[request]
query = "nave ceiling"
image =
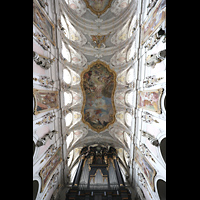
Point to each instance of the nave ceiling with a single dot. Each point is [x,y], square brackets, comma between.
[99,81]
[106,36]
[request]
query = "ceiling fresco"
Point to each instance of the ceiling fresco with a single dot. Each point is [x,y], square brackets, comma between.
[98,7]
[98,84]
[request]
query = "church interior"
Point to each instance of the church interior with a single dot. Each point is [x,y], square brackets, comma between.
[99,99]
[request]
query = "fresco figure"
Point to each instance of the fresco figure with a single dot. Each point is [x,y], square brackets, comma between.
[98,84]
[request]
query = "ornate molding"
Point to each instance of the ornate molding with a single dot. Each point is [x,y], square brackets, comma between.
[98,64]
[95,8]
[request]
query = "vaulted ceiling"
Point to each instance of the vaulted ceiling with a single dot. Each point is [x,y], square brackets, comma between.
[101,37]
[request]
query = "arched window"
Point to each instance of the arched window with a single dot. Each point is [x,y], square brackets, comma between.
[128,119]
[127,139]
[73,172]
[67,98]
[65,53]
[68,119]
[67,76]
[69,139]
[131,52]
[129,98]
[70,157]
[130,76]
[65,26]
[126,157]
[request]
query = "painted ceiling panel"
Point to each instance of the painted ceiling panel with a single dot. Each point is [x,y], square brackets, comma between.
[98,86]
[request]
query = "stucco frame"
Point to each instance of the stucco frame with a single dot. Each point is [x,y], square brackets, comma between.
[35,3]
[35,91]
[84,95]
[98,13]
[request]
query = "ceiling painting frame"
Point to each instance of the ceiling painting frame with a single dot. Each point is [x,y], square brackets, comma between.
[98,13]
[98,63]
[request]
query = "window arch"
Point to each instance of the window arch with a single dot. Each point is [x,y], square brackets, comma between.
[70,157]
[64,24]
[65,52]
[130,75]
[69,139]
[67,76]
[129,98]
[73,172]
[68,119]
[67,98]
[127,139]
[131,52]
[126,157]
[128,119]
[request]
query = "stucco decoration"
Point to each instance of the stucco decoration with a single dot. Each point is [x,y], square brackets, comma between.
[77,58]
[75,78]
[98,84]
[146,168]
[65,53]
[77,6]
[119,57]
[120,135]
[132,52]
[150,100]
[78,134]
[49,168]
[130,75]
[120,117]
[121,35]
[45,100]
[76,98]
[155,19]
[76,117]
[71,33]
[119,98]
[98,41]
[43,23]
[98,7]
[133,26]
[118,6]
[121,78]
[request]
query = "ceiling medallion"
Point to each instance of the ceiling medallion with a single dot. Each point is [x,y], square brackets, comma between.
[98,7]
[98,83]
[99,40]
